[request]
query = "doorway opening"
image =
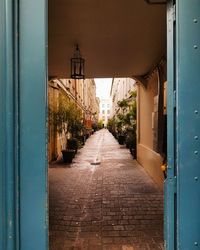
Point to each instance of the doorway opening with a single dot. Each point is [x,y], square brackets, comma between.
[104,195]
[117,39]
[104,206]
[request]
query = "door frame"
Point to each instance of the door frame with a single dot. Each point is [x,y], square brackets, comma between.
[182,186]
[23,126]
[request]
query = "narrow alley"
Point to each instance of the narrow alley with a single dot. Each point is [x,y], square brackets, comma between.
[104,200]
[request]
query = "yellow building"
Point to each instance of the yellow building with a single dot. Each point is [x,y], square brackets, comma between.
[80,92]
[105,110]
[91,103]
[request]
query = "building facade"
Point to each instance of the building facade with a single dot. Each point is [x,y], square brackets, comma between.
[90,103]
[82,93]
[105,110]
[151,117]
[121,89]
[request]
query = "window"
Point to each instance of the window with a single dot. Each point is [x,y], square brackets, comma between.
[108,106]
[103,105]
[108,111]
[103,111]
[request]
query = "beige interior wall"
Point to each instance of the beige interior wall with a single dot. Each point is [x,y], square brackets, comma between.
[148,158]
[146,104]
[151,161]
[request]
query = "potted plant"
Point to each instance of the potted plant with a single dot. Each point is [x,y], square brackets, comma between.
[94,127]
[72,143]
[61,118]
[120,129]
[131,140]
[100,124]
[131,131]
[111,126]
[68,155]
[75,126]
[126,122]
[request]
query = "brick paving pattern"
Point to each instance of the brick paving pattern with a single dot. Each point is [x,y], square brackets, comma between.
[111,206]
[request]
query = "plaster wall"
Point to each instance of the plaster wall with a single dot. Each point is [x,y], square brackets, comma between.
[151,161]
[146,156]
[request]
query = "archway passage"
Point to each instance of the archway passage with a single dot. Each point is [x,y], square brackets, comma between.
[116,39]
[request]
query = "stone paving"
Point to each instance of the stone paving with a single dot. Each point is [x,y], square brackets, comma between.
[111,206]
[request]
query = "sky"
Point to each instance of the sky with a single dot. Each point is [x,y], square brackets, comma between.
[103,86]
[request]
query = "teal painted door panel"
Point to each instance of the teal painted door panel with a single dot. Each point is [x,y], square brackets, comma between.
[8,161]
[169,185]
[23,105]
[23,132]
[182,187]
[188,124]
[33,132]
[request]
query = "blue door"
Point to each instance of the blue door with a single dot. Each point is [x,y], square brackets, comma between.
[23,138]
[23,105]
[182,186]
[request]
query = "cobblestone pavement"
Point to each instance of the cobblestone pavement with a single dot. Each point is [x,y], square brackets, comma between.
[111,206]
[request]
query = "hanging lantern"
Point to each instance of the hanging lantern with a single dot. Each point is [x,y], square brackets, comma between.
[77,65]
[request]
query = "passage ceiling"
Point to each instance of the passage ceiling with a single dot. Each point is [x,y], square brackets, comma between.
[117,38]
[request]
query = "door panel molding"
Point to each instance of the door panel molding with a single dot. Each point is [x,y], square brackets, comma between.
[8,133]
[182,187]
[23,131]
[33,124]
[169,185]
[188,124]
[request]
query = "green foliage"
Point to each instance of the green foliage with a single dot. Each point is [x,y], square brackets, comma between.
[131,138]
[122,104]
[95,126]
[75,124]
[133,110]
[100,124]
[58,115]
[133,94]
[111,123]
[125,121]
[66,117]
[120,123]
[73,144]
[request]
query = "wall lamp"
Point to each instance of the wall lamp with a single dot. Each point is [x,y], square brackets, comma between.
[77,65]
